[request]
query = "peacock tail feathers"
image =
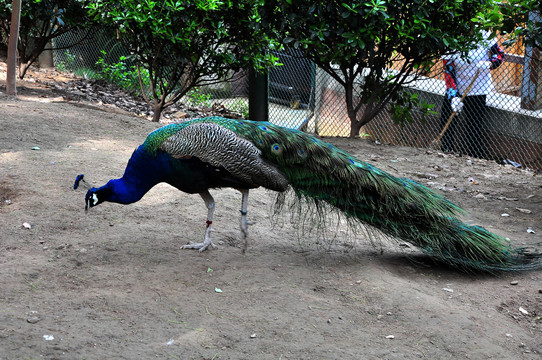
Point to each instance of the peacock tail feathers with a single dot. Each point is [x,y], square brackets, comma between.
[327,177]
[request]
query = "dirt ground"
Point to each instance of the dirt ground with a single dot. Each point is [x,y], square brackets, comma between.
[114,283]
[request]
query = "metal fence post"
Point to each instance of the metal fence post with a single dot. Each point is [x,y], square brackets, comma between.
[258,95]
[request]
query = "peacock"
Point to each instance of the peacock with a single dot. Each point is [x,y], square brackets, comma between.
[215,152]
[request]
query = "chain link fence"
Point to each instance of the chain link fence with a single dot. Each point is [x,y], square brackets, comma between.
[303,96]
[508,129]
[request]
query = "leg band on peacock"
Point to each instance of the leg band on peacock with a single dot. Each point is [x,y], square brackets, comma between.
[210,204]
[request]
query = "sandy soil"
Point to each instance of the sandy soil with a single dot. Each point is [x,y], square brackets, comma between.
[114,283]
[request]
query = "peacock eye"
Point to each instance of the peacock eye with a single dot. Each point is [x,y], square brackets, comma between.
[276,148]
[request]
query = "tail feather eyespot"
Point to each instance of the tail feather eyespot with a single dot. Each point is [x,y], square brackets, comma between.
[276,149]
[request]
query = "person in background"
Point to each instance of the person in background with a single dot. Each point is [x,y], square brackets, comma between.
[458,74]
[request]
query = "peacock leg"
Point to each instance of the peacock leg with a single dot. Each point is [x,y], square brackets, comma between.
[210,204]
[244,222]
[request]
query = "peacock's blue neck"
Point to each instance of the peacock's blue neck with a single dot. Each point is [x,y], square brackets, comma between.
[142,173]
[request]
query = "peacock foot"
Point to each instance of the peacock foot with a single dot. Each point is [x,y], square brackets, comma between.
[199,246]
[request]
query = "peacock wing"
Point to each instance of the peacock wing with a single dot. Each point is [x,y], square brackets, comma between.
[221,147]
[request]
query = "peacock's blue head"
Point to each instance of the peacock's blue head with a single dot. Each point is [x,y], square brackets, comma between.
[94,195]
[92,198]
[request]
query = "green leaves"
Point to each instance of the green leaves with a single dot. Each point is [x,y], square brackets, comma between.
[185,44]
[403,103]
[520,22]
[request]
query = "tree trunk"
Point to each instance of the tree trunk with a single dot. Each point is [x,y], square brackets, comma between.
[357,124]
[367,113]
[11,87]
[157,111]
[355,127]
[352,114]
[352,110]
[23,68]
